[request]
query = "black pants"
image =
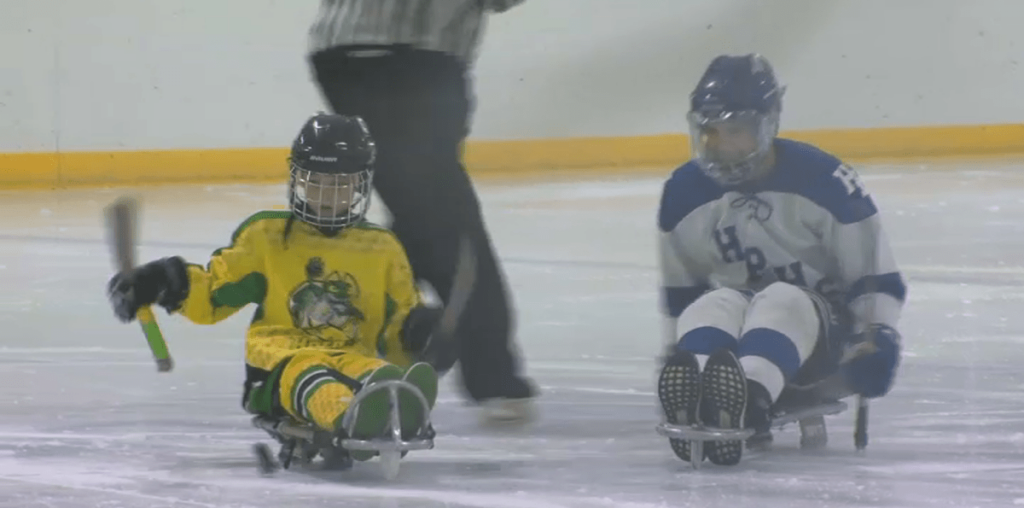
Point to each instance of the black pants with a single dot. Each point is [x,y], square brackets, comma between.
[416,105]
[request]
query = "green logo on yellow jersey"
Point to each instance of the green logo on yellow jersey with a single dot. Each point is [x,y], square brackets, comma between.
[326,302]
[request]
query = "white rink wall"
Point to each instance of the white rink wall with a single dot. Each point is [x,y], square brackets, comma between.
[84,75]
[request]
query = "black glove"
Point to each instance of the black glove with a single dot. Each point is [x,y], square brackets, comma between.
[163,282]
[420,338]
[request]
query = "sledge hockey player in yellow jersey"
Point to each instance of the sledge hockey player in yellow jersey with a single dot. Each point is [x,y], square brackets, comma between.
[337,308]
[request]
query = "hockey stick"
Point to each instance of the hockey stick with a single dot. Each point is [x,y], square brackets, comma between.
[462,288]
[860,432]
[121,217]
[442,349]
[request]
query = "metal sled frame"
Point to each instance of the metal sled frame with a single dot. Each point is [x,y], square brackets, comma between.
[391,447]
[811,419]
[807,405]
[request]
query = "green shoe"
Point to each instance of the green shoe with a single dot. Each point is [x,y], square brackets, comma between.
[422,376]
[373,414]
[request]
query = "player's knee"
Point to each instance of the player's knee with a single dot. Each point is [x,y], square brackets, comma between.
[302,376]
[720,307]
[298,366]
[706,340]
[782,329]
[713,322]
[781,294]
[727,297]
[784,307]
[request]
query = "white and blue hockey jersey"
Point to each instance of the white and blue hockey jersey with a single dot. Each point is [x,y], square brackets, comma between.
[812,223]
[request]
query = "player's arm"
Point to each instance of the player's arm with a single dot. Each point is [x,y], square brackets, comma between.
[876,290]
[203,295]
[232,279]
[207,295]
[682,279]
[859,246]
[410,332]
[401,300]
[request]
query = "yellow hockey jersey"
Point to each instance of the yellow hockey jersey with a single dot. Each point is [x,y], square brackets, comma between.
[346,293]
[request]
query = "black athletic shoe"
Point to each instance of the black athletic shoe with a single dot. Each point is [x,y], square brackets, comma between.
[723,403]
[679,394]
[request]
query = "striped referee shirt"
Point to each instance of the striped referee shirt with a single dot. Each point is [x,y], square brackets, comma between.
[451,26]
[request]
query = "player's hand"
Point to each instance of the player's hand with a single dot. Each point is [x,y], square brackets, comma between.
[441,353]
[875,358]
[163,282]
[421,338]
[122,296]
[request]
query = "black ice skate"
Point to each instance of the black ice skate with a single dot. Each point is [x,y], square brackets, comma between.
[679,394]
[723,402]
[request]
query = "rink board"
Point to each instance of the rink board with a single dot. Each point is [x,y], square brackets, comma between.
[506,158]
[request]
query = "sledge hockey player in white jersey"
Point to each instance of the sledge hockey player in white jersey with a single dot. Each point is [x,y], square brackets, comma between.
[773,264]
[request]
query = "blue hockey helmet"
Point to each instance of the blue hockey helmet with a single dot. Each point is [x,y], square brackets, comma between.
[734,118]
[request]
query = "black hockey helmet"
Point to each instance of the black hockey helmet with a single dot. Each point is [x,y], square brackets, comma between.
[332,163]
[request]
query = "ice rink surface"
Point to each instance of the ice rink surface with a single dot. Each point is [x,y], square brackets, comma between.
[86,421]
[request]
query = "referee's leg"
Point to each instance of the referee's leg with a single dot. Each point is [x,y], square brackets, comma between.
[490,365]
[416,106]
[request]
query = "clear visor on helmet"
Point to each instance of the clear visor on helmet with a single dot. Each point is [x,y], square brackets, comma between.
[732,146]
[330,200]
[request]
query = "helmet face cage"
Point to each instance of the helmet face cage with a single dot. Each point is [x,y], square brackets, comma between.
[330,200]
[732,147]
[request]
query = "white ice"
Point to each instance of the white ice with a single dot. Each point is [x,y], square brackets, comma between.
[86,421]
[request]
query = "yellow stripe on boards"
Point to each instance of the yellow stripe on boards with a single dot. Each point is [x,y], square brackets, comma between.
[507,158]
